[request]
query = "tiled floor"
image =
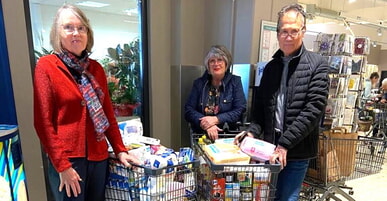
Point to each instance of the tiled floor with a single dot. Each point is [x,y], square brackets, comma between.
[370,183]
[370,188]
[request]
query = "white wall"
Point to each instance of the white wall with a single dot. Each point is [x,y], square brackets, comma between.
[383,60]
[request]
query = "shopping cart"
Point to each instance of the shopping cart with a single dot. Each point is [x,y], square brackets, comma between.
[379,125]
[338,161]
[140,183]
[226,182]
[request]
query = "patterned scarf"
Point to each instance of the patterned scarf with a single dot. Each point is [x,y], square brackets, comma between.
[91,91]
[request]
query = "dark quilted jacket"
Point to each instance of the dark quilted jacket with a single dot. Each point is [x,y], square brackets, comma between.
[307,91]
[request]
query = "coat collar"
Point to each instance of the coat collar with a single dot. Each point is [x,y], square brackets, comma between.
[227,77]
[278,54]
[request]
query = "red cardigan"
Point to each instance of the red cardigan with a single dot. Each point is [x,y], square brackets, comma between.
[61,119]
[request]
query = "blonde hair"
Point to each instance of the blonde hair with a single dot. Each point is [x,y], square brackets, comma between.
[56,28]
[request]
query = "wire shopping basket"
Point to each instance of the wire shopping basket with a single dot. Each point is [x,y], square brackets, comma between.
[140,183]
[341,159]
[230,182]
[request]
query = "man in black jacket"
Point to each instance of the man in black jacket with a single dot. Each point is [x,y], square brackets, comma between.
[290,102]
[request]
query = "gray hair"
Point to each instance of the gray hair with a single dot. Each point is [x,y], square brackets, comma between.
[384,82]
[292,7]
[219,51]
[56,28]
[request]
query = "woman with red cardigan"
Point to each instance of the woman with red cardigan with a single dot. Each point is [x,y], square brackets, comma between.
[73,115]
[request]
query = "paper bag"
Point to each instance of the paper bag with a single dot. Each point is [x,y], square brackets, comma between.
[345,145]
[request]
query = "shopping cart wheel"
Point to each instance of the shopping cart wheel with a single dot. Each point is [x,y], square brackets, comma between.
[350,192]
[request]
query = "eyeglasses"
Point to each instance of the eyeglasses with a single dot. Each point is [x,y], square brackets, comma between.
[69,28]
[215,61]
[292,33]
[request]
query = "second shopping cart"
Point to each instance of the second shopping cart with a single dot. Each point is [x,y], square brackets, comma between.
[231,182]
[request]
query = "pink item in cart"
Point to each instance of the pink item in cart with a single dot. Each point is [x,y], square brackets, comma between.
[257,149]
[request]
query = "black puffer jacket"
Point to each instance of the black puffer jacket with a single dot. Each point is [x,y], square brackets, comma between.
[307,91]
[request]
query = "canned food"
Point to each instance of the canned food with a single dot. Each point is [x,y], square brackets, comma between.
[246,194]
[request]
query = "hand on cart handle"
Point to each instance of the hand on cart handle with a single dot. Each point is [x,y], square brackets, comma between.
[240,136]
[128,158]
[208,121]
[213,132]
[280,153]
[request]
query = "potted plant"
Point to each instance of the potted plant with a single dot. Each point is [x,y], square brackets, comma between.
[44,52]
[123,68]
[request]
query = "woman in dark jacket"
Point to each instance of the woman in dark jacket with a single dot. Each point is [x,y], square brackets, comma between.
[217,97]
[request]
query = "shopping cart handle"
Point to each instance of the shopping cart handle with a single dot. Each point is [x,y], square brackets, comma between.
[242,137]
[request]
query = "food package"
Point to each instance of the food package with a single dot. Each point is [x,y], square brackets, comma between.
[130,131]
[257,149]
[162,160]
[222,153]
[225,140]
[142,153]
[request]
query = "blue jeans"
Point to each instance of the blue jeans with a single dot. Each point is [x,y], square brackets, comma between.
[93,174]
[290,180]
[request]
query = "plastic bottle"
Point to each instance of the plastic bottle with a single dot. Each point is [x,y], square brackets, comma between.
[201,142]
[206,140]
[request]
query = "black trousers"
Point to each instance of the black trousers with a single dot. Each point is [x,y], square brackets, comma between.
[93,174]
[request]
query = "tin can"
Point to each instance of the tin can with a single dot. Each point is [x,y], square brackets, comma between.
[245,179]
[229,177]
[246,194]
[228,192]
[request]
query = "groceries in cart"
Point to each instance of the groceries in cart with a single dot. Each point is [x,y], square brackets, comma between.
[130,131]
[258,150]
[228,173]
[224,151]
[163,174]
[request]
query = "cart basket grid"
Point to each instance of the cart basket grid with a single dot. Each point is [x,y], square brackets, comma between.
[228,182]
[339,159]
[140,183]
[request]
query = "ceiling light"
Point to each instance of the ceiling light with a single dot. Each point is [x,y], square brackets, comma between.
[379,31]
[351,1]
[374,43]
[92,4]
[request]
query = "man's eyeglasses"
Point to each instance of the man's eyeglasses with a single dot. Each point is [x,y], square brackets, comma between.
[292,33]
[69,28]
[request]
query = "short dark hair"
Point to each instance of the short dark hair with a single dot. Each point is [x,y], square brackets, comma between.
[292,7]
[374,75]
